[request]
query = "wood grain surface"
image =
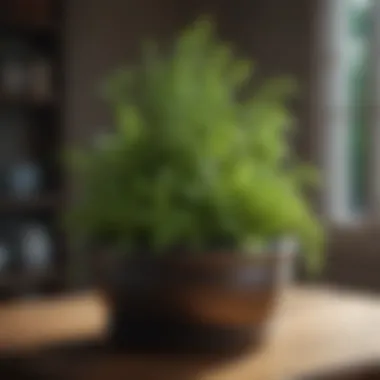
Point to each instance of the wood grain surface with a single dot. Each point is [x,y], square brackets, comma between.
[313,331]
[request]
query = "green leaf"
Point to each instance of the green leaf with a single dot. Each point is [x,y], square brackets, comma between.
[199,155]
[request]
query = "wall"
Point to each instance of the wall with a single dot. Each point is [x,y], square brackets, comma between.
[100,34]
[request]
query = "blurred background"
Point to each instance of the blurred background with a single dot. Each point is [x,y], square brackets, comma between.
[54,55]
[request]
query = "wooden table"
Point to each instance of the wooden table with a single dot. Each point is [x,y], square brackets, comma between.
[313,331]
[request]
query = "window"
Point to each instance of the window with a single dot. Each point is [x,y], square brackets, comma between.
[359,38]
[348,60]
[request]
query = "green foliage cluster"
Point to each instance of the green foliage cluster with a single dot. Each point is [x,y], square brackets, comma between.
[194,160]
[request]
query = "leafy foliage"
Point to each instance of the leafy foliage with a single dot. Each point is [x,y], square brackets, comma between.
[193,162]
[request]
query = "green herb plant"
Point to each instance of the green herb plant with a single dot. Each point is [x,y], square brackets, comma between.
[199,158]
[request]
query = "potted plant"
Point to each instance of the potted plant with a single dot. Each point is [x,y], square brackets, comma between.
[190,194]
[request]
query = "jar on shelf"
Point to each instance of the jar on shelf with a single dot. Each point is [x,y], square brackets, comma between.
[36,247]
[25,180]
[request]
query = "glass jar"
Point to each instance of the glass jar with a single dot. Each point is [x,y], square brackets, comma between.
[25,180]
[36,247]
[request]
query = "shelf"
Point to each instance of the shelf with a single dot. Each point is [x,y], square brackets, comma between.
[31,32]
[45,203]
[29,29]
[25,101]
[12,280]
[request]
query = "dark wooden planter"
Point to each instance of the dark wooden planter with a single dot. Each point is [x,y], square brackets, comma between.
[217,303]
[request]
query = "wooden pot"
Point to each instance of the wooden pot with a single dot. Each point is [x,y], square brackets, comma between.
[213,303]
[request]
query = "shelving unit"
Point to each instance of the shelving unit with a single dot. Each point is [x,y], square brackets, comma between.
[41,203]
[31,93]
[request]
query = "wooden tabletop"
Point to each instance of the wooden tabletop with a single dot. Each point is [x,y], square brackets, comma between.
[312,331]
